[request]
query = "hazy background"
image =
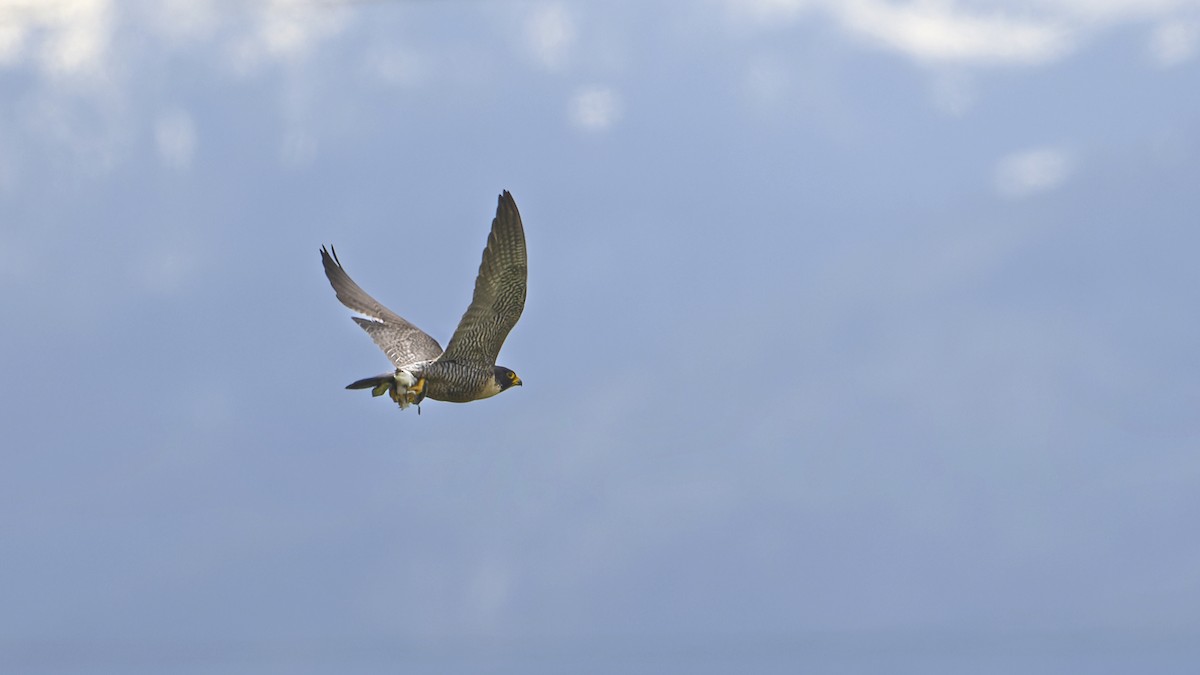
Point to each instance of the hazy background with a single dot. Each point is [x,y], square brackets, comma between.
[861,337]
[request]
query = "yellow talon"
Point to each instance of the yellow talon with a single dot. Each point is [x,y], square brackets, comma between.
[416,392]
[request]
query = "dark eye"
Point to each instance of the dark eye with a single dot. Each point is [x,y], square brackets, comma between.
[512,376]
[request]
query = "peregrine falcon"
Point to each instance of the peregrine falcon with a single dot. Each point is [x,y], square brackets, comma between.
[466,370]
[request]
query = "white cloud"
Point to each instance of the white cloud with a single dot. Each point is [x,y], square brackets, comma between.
[934,31]
[1174,42]
[12,42]
[595,108]
[80,43]
[1031,171]
[175,139]
[73,35]
[286,31]
[983,32]
[550,34]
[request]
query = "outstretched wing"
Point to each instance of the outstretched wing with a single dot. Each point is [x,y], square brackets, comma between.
[499,292]
[403,342]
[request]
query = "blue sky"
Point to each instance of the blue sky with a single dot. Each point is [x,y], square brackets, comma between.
[860,336]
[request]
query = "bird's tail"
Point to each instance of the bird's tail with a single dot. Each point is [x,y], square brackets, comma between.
[403,388]
[379,385]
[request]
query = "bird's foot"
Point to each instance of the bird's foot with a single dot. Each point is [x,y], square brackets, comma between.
[417,391]
[399,395]
[407,390]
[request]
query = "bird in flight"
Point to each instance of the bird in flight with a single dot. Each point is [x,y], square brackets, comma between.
[466,370]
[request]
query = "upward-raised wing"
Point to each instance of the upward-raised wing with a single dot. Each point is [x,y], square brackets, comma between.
[403,342]
[499,292]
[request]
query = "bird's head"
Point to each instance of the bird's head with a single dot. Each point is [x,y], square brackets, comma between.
[506,378]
